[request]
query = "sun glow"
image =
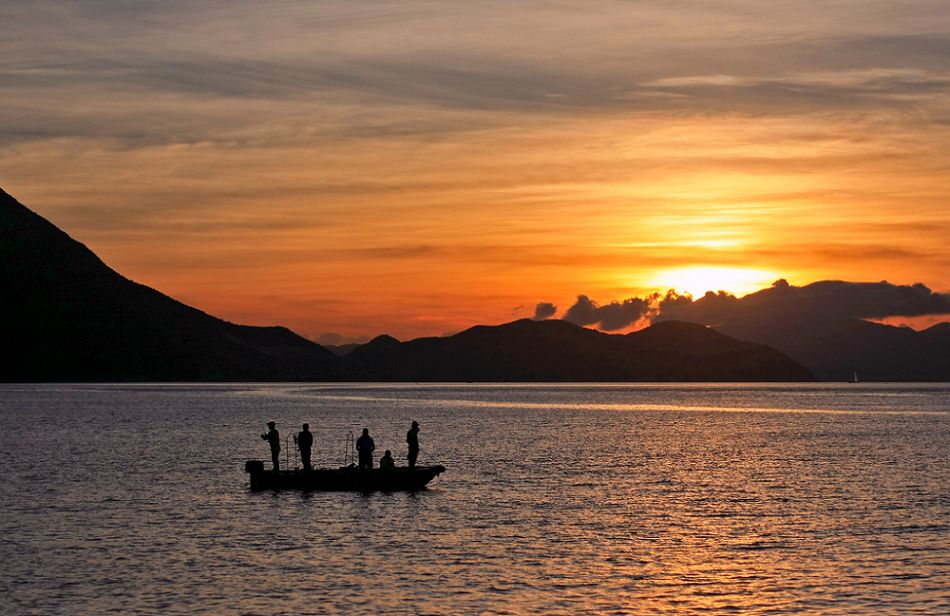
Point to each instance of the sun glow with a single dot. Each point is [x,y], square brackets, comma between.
[697,280]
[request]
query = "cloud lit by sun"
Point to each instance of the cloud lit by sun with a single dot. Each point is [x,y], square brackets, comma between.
[697,280]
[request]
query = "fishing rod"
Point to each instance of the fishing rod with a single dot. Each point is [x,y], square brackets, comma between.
[296,457]
[349,448]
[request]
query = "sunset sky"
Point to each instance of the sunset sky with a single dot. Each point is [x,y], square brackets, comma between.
[418,167]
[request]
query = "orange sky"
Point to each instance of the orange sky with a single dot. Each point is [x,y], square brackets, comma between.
[415,169]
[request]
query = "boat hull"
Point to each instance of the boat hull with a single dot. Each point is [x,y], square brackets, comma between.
[345,479]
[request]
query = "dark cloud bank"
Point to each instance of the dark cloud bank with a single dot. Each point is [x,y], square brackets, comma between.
[823,325]
[826,300]
[544,310]
[609,317]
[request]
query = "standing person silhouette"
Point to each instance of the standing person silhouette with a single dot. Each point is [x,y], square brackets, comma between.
[305,443]
[272,436]
[365,447]
[412,438]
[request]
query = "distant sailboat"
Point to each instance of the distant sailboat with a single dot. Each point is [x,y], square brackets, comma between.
[854,378]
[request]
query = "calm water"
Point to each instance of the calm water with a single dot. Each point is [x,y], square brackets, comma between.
[557,499]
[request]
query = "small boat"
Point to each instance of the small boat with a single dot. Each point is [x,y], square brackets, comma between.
[348,478]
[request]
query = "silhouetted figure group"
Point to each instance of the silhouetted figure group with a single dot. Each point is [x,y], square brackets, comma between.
[365,446]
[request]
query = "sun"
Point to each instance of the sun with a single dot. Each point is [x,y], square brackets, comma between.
[697,280]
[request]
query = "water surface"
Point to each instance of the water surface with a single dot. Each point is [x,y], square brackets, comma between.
[569,499]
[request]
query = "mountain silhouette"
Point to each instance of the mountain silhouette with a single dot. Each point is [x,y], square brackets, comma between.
[527,350]
[834,349]
[828,326]
[66,316]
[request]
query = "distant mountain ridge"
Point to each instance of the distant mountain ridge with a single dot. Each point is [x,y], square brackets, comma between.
[825,326]
[533,351]
[835,349]
[66,316]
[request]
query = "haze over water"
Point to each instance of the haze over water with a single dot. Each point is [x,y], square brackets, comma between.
[571,499]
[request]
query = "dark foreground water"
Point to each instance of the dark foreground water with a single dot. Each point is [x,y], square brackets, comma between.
[569,499]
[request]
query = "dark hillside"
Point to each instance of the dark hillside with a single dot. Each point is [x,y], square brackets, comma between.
[66,316]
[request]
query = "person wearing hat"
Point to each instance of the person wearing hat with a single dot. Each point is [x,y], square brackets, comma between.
[412,438]
[272,436]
